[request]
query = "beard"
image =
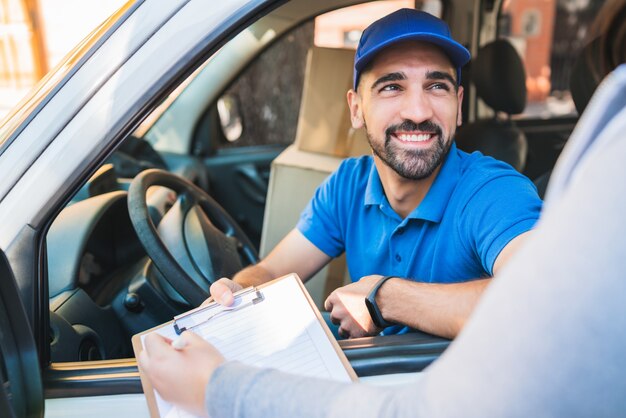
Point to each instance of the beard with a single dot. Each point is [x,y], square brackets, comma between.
[412,164]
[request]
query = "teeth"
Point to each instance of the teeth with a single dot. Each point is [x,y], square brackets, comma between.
[414,138]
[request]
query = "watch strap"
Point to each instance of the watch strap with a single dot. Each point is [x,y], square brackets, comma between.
[372,306]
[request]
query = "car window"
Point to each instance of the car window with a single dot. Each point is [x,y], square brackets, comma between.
[102,286]
[268,93]
[548,36]
[262,105]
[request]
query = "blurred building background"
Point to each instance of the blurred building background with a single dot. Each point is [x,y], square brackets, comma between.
[36,34]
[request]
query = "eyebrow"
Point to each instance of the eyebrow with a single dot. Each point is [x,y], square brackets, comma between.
[430,75]
[389,77]
[440,75]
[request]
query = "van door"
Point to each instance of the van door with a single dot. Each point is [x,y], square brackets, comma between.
[21,393]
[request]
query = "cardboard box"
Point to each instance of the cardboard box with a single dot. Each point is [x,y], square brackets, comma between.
[324,120]
[294,176]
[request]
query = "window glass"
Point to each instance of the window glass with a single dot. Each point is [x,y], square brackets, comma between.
[548,34]
[270,90]
[97,272]
[342,28]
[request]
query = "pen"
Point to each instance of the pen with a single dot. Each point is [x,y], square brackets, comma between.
[179,343]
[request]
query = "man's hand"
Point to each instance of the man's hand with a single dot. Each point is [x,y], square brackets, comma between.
[180,376]
[347,308]
[222,292]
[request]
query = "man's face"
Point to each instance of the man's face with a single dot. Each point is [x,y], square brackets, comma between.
[410,106]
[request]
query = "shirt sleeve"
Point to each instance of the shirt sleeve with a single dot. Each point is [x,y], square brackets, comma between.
[236,390]
[320,220]
[498,211]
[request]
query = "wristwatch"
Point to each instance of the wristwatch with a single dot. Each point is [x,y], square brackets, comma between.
[372,306]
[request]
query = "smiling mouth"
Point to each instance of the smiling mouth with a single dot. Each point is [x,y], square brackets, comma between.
[414,137]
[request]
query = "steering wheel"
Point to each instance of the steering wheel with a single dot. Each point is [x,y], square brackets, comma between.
[208,242]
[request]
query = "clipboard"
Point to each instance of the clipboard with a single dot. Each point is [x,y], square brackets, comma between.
[197,317]
[301,334]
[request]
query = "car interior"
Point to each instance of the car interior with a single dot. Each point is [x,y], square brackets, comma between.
[498,74]
[219,172]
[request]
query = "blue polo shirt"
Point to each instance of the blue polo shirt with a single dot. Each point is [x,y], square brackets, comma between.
[475,206]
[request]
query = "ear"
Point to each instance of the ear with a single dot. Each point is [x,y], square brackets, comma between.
[356,110]
[459,112]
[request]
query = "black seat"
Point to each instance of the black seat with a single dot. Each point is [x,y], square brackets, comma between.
[500,79]
[584,79]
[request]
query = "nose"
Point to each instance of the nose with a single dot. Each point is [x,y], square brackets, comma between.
[416,106]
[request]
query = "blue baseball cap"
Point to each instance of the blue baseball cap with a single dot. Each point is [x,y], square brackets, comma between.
[403,25]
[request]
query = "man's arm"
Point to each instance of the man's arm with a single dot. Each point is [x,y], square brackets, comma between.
[440,309]
[293,254]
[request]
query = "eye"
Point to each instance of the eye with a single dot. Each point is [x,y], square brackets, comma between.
[390,87]
[439,86]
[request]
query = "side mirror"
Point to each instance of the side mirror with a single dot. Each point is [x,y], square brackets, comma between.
[229,113]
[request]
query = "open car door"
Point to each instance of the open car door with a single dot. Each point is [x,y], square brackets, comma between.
[21,393]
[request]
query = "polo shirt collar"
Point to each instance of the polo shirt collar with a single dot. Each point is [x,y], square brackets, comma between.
[435,201]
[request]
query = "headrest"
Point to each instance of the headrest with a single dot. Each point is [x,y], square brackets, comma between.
[584,77]
[499,139]
[499,76]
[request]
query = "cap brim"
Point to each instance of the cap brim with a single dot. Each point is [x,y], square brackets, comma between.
[458,54]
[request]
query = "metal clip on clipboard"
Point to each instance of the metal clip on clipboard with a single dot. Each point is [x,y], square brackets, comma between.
[198,316]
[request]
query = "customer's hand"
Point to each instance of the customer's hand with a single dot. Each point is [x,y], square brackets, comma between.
[180,375]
